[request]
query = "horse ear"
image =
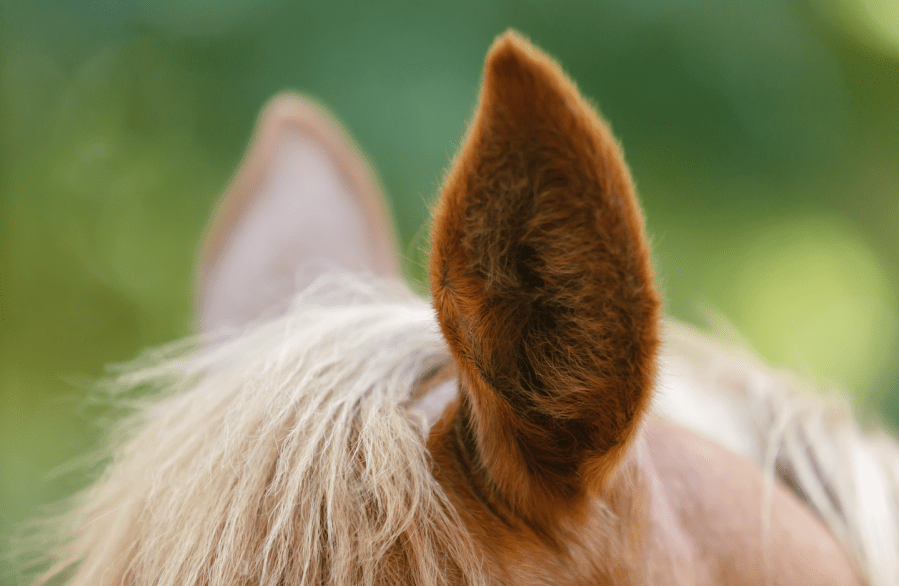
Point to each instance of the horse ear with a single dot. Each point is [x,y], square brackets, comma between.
[543,287]
[302,202]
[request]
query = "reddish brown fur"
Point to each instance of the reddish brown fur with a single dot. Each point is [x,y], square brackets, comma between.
[542,281]
[543,286]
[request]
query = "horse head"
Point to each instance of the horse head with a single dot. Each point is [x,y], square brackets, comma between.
[525,449]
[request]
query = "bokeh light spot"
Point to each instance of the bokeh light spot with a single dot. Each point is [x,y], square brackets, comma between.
[812,295]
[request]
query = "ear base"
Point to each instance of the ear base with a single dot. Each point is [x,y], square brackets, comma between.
[543,285]
[303,200]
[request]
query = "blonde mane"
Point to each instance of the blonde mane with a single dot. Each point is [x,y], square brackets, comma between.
[288,454]
[283,455]
[811,442]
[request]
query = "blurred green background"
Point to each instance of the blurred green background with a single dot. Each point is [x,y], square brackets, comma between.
[763,136]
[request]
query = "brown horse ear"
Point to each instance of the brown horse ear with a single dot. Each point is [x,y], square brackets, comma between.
[302,202]
[543,287]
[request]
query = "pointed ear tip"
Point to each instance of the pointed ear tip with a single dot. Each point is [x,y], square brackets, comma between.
[513,58]
[508,48]
[291,110]
[512,41]
[510,37]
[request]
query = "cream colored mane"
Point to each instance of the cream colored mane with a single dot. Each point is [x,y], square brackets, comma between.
[284,455]
[812,443]
[287,454]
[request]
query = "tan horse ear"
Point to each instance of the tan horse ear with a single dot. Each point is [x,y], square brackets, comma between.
[543,287]
[302,202]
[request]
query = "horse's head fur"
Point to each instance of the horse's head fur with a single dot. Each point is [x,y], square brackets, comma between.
[294,450]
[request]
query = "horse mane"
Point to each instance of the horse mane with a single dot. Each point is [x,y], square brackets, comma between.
[282,455]
[288,454]
[810,441]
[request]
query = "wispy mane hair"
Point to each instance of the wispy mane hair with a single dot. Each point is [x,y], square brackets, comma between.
[282,455]
[288,454]
[809,440]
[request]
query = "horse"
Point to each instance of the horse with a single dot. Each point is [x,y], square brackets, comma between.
[536,421]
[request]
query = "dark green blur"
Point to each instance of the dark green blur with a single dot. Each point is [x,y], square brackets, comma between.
[763,137]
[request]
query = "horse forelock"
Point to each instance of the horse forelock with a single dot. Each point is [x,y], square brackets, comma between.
[285,454]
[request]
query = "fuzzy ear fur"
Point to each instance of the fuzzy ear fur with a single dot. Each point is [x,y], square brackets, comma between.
[543,286]
[303,201]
